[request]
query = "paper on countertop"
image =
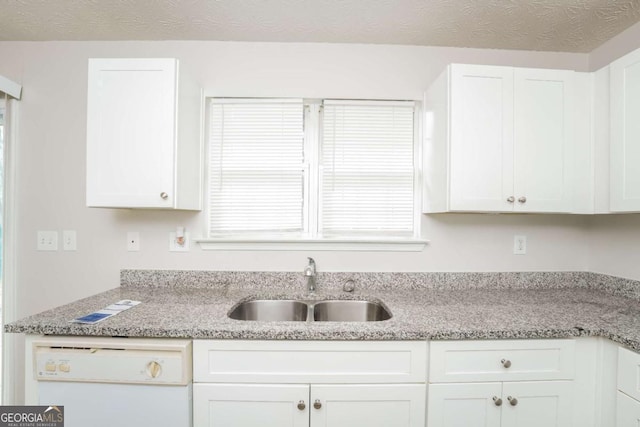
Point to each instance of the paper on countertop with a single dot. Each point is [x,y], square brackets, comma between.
[105,313]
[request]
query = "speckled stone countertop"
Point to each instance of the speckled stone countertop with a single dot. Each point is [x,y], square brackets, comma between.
[433,306]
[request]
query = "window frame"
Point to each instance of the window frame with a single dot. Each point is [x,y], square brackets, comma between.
[310,238]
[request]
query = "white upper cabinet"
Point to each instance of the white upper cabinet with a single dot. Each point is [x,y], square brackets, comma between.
[144,145]
[625,134]
[499,139]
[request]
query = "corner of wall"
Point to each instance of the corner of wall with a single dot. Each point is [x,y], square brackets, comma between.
[620,45]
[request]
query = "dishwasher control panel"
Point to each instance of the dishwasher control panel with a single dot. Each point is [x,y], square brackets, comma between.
[112,364]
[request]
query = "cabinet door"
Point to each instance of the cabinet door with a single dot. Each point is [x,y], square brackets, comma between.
[625,133]
[481,132]
[464,405]
[543,135]
[401,405]
[628,411]
[250,405]
[535,404]
[131,117]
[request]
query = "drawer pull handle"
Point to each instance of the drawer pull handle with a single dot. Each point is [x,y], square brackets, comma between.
[512,400]
[522,199]
[317,404]
[506,363]
[511,199]
[497,401]
[301,405]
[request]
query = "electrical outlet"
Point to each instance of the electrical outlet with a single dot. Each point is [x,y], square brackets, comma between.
[175,246]
[47,241]
[133,241]
[519,245]
[69,240]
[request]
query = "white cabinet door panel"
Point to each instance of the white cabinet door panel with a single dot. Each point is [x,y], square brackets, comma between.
[625,133]
[481,137]
[250,405]
[628,411]
[545,403]
[543,135]
[131,121]
[629,372]
[464,405]
[385,405]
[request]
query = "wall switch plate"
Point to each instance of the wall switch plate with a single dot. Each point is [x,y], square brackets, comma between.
[133,241]
[47,241]
[519,245]
[69,240]
[174,246]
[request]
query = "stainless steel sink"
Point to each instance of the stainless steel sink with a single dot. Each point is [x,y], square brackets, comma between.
[320,311]
[349,311]
[270,310]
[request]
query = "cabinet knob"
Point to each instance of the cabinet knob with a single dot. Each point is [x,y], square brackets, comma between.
[506,363]
[164,196]
[522,199]
[512,400]
[511,199]
[317,404]
[497,401]
[301,405]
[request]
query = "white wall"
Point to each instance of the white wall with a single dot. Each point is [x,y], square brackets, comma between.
[614,242]
[51,164]
[620,45]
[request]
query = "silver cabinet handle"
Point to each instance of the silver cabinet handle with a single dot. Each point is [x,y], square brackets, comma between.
[164,196]
[511,199]
[506,363]
[522,199]
[497,401]
[301,405]
[317,404]
[512,400]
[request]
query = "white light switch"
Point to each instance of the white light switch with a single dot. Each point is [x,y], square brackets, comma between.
[133,241]
[47,240]
[69,240]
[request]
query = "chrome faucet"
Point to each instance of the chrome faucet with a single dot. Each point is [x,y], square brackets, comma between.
[310,274]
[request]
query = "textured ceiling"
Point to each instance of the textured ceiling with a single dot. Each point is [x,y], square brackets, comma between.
[550,25]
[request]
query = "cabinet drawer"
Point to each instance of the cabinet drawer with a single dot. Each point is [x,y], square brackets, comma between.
[629,372]
[465,361]
[318,362]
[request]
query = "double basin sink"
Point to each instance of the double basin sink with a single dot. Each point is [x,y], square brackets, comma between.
[307,311]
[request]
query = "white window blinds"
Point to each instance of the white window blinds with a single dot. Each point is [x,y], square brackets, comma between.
[367,169]
[256,173]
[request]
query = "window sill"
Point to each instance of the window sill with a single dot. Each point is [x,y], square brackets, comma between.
[366,245]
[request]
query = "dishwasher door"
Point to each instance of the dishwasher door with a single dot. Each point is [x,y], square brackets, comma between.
[119,405]
[122,382]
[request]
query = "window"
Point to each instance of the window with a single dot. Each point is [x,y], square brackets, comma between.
[330,170]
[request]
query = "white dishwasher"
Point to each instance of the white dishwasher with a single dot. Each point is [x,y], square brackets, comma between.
[126,382]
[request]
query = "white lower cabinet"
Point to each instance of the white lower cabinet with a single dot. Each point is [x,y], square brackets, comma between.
[628,395]
[316,384]
[398,405]
[464,405]
[504,383]
[245,405]
[292,405]
[628,413]
[518,404]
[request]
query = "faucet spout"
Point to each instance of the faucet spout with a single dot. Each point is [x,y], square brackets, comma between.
[310,274]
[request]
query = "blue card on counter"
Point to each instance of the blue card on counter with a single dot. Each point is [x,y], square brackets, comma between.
[106,312]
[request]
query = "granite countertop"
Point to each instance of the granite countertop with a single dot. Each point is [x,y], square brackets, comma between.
[563,307]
